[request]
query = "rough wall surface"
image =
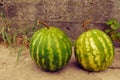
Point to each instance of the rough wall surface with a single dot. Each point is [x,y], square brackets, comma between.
[65,14]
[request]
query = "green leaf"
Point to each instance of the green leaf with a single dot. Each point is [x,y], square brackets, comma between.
[3,34]
[108,30]
[111,21]
[19,52]
[113,36]
[118,35]
[9,39]
[14,37]
[115,26]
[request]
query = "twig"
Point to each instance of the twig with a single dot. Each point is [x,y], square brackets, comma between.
[85,23]
[112,67]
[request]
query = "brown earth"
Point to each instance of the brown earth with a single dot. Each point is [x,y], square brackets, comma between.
[26,69]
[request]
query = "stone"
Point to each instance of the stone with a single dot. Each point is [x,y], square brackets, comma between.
[68,15]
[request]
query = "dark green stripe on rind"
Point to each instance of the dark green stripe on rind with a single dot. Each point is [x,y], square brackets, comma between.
[50,49]
[63,50]
[40,52]
[99,54]
[109,48]
[68,48]
[45,53]
[90,61]
[88,52]
[59,52]
[32,49]
[34,45]
[55,52]
[65,46]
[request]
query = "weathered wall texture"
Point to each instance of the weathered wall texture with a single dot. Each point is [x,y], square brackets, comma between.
[65,14]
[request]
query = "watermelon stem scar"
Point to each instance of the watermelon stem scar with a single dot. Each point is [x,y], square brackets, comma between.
[43,23]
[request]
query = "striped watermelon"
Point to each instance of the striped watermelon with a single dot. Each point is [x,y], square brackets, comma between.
[50,48]
[94,50]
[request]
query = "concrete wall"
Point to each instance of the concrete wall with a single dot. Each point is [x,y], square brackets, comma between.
[65,14]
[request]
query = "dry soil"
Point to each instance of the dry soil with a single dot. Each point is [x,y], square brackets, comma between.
[26,69]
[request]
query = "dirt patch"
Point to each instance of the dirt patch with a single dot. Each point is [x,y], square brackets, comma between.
[26,69]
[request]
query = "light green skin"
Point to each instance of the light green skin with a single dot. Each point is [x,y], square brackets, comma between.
[50,48]
[94,50]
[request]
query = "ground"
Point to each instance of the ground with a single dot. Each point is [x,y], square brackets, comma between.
[26,69]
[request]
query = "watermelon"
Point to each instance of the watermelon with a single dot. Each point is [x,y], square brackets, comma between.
[50,48]
[94,50]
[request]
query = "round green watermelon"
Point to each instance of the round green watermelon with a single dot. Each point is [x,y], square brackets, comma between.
[50,48]
[94,50]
